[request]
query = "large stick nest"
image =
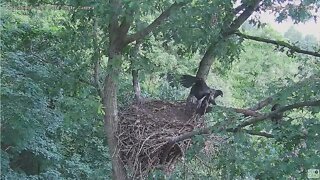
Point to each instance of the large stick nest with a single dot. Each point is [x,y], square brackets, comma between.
[144,131]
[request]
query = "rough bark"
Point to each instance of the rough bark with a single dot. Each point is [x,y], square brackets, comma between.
[111,119]
[110,91]
[206,62]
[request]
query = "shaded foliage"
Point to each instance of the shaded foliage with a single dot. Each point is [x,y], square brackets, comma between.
[46,106]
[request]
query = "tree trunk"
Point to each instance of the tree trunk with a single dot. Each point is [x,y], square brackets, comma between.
[206,62]
[208,57]
[136,86]
[118,39]
[135,73]
[111,118]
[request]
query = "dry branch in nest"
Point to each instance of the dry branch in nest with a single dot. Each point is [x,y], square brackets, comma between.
[144,131]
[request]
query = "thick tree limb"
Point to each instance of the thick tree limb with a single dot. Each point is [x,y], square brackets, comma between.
[261,104]
[243,17]
[280,110]
[239,8]
[252,111]
[247,112]
[207,59]
[156,23]
[185,136]
[253,120]
[116,6]
[279,43]
[116,44]
[115,39]
[125,24]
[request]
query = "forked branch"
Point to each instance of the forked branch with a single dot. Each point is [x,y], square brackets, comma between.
[155,24]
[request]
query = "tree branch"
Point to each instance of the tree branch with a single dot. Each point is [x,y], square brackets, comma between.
[261,104]
[135,74]
[116,7]
[247,112]
[207,59]
[125,24]
[253,120]
[242,17]
[239,8]
[257,133]
[280,110]
[96,59]
[156,23]
[114,24]
[190,134]
[252,111]
[278,43]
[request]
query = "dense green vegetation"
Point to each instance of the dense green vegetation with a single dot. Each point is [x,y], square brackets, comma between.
[62,79]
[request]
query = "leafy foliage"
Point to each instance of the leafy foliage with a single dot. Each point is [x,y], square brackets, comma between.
[51,112]
[45,108]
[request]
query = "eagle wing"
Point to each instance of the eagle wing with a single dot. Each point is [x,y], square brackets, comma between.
[187,80]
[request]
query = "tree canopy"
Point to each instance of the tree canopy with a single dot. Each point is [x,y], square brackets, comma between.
[68,68]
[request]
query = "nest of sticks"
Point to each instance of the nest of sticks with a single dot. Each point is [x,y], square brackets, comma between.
[144,131]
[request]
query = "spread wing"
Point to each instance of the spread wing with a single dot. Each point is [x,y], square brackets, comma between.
[187,80]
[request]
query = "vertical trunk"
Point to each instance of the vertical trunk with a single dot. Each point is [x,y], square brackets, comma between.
[136,86]
[203,71]
[206,62]
[118,39]
[111,118]
[208,57]
[135,73]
